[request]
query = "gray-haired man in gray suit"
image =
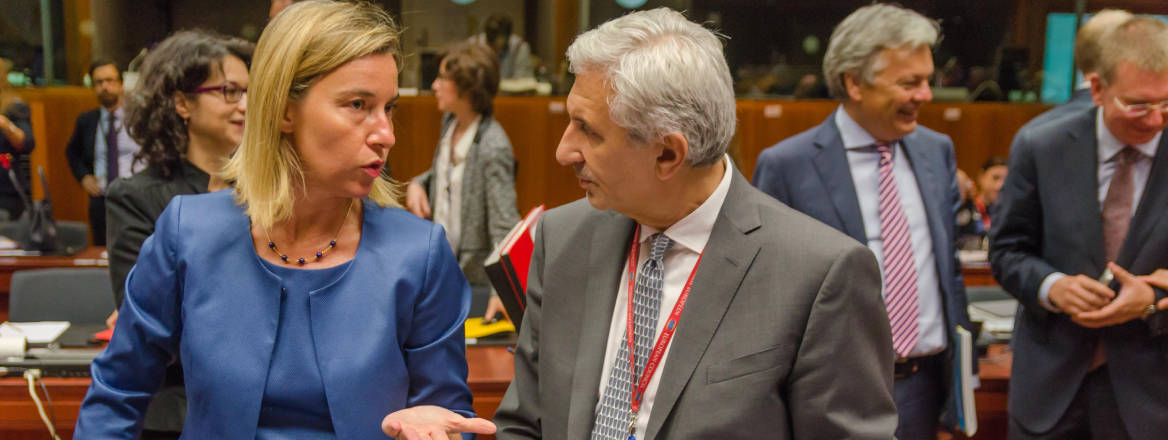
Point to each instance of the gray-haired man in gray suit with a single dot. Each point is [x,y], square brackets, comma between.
[780,330]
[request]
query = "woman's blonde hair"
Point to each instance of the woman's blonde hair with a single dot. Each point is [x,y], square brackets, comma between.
[305,42]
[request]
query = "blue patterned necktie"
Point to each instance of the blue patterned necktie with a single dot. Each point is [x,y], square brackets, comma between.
[612,418]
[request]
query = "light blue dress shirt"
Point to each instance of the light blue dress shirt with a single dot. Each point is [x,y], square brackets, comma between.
[864,162]
[127,148]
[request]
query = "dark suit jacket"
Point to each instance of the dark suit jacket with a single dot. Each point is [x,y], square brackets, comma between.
[1079,102]
[810,172]
[784,335]
[1049,220]
[79,150]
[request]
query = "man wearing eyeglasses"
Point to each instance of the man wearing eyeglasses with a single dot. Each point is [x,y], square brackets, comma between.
[1081,211]
[100,149]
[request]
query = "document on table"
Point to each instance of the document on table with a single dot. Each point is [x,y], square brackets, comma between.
[42,332]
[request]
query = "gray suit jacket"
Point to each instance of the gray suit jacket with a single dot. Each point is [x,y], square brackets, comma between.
[1048,219]
[810,172]
[784,335]
[488,196]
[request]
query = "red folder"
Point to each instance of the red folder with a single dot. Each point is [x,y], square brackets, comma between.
[508,266]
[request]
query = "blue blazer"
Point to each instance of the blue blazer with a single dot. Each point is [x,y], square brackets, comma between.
[810,172]
[388,334]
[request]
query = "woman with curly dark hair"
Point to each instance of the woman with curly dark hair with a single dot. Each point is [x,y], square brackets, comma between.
[187,113]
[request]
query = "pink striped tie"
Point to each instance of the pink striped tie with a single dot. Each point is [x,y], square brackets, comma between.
[900,271]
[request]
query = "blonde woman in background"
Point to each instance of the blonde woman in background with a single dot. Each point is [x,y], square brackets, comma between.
[304,303]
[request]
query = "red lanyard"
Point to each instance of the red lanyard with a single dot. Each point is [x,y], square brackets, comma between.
[638,389]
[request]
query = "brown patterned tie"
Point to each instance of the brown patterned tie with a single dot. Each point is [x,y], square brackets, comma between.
[1117,205]
[1117,214]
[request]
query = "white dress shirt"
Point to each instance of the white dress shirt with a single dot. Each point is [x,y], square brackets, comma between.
[448,173]
[690,235]
[127,148]
[864,162]
[1107,151]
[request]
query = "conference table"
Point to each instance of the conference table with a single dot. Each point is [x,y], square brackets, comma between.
[490,369]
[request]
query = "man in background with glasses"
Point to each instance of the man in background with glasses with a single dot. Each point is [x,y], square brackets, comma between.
[1081,211]
[100,149]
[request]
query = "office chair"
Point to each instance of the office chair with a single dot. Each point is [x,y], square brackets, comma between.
[82,296]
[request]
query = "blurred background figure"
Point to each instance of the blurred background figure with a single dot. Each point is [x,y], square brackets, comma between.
[101,149]
[989,183]
[514,53]
[16,142]
[470,188]
[969,230]
[187,113]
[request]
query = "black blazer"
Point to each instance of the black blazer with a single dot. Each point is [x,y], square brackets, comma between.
[1047,220]
[133,204]
[79,151]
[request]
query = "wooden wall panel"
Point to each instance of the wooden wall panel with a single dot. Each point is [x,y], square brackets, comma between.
[54,112]
[535,125]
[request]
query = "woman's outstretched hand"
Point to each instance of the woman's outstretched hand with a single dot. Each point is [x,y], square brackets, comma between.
[428,422]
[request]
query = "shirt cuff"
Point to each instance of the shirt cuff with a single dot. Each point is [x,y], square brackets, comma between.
[1044,291]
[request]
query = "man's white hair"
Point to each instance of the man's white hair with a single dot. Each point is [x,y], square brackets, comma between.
[668,75]
[856,43]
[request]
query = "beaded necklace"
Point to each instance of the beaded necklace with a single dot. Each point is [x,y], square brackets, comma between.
[319,254]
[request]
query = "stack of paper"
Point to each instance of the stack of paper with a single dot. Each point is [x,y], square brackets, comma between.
[42,332]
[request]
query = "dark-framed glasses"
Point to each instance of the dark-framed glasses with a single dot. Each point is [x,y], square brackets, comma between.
[1139,110]
[231,92]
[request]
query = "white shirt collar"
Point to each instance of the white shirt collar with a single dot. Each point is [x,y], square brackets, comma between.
[1108,146]
[693,231]
[854,136]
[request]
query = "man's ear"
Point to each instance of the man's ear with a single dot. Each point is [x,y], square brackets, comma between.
[852,86]
[183,105]
[1096,88]
[673,149]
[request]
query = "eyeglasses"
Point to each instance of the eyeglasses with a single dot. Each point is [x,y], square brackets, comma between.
[1139,110]
[231,92]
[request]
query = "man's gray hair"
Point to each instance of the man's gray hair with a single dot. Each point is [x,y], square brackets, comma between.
[1140,40]
[857,41]
[668,75]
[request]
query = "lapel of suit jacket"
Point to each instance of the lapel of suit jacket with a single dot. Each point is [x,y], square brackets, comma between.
[933,188]
[1150,211]
[608,253]
[728,254]
[1077,160]
[831,162]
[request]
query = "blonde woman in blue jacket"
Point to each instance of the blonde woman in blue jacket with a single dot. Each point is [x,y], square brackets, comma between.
[303,303]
